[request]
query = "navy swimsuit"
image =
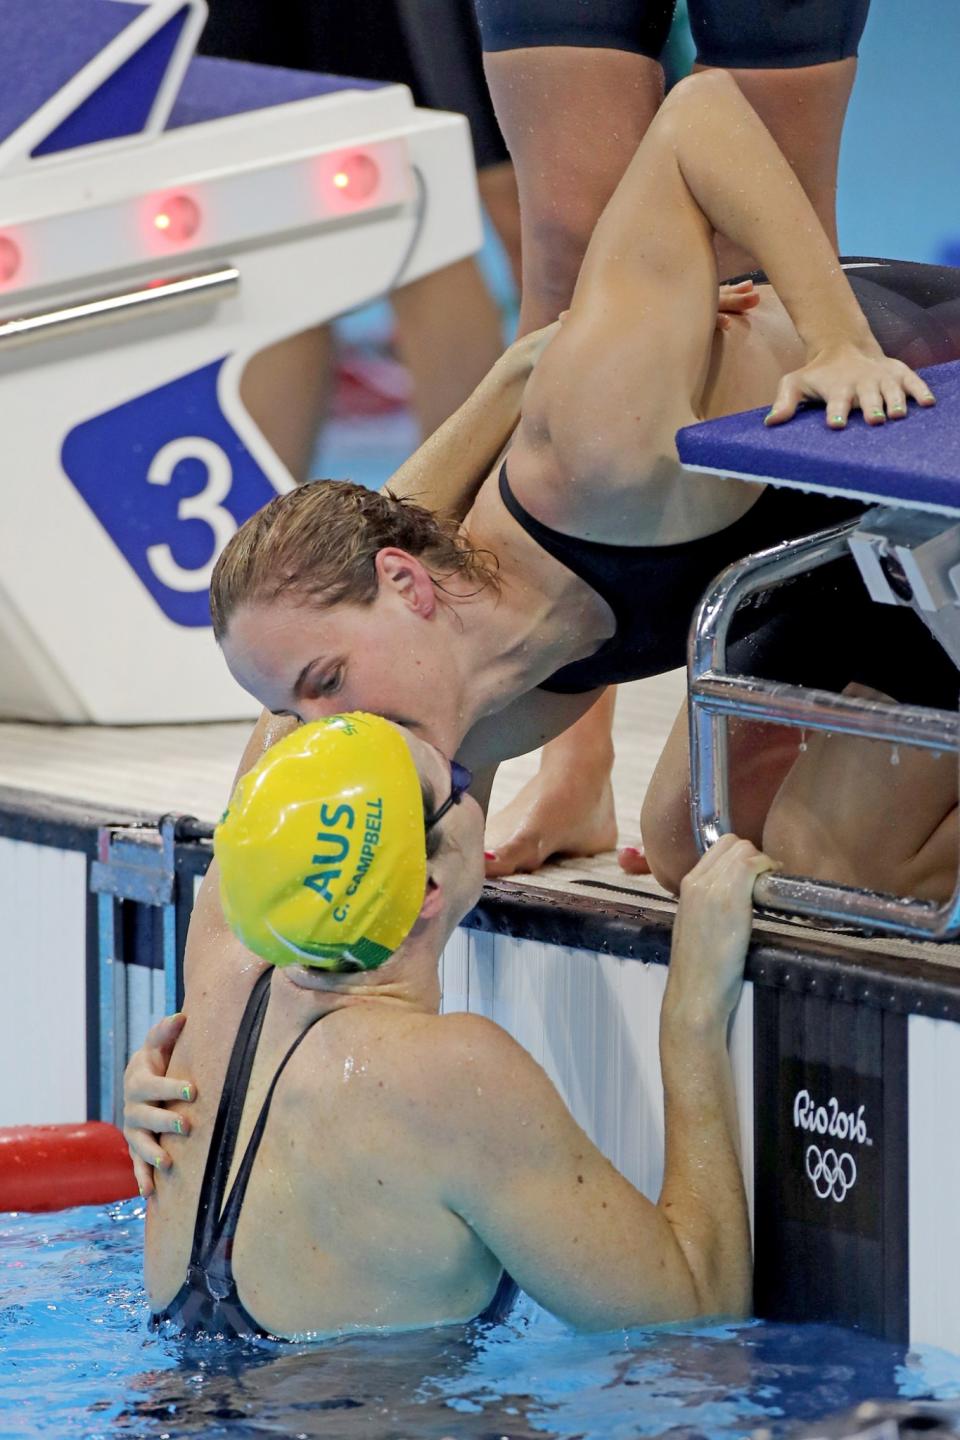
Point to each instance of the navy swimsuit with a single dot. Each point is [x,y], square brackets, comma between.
[207,1301]
[733,34]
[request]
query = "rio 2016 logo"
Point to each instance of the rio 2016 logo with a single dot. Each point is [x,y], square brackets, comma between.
[829,1119]
[831,1173]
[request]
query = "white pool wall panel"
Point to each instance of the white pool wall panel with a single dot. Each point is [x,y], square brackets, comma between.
[934,1128]
[592,1021]
[43,1057]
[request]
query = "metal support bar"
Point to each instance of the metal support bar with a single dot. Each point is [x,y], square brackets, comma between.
[159,295]
[707,651]
[792,705]
[113,1011]
[715,696]
[134,864]
[168,835]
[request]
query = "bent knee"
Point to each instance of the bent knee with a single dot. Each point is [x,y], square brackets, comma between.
[667,837]
[702,87]
[554,242]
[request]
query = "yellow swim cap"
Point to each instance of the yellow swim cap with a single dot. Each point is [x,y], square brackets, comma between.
[322,851]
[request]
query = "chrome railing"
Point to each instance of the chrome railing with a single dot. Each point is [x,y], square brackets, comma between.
[715,696]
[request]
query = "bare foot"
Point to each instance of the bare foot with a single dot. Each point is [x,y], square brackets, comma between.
[551,815]
[632,860]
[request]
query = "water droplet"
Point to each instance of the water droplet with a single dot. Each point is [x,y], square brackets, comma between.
[803,741]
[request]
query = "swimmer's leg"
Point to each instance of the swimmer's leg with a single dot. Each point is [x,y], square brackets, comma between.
[609,394]
[804,110]
[501,200]
[796,65]
[839,811]
[760,757]
[866,813]
[285,389]
[567,807]
[572,118]
[449,336]
[551,102]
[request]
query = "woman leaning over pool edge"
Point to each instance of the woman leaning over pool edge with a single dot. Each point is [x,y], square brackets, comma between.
[381,608]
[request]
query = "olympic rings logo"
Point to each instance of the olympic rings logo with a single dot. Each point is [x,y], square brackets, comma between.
[829,1173]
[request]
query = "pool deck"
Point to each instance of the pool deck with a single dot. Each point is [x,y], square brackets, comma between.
[150,771]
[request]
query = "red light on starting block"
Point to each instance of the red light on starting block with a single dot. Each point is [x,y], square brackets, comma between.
[356,176]
[10,259]
[177,219]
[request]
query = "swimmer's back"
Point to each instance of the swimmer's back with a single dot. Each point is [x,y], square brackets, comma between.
[344,1223]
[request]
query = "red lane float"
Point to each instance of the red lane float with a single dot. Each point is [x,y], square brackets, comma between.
[50,1167]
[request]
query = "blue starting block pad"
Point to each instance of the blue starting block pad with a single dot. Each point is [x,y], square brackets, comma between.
[213,88]
[78,72]
[130,70]
[912,463]
[48,42]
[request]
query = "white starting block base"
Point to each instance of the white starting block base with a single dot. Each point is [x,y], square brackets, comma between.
[139,273]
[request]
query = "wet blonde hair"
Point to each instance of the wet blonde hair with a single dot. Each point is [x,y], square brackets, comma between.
[320,542]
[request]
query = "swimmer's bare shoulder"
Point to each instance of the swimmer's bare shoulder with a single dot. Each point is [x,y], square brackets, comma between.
[442,1076]
[414,1058]
[506,1155]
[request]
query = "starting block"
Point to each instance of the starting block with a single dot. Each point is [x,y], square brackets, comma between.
[164,217]
[907,548]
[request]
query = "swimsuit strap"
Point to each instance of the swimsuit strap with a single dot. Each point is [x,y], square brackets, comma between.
[227,1124]
[225,1227]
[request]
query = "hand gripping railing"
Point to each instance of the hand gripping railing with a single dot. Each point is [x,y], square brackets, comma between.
[715,696]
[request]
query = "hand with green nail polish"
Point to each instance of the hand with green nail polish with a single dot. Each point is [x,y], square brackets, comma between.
[149,1096]
[846,377]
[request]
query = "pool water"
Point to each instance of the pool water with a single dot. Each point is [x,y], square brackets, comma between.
[77,1362]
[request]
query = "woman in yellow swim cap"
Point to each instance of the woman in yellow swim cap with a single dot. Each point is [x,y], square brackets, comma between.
[323,849]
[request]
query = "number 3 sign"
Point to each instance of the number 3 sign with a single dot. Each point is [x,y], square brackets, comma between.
[169,500]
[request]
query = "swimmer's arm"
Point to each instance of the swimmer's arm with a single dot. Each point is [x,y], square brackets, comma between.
[146,1085]
[446,472]
[631,365]
[148,1088]
[749,193]
[570,1229]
